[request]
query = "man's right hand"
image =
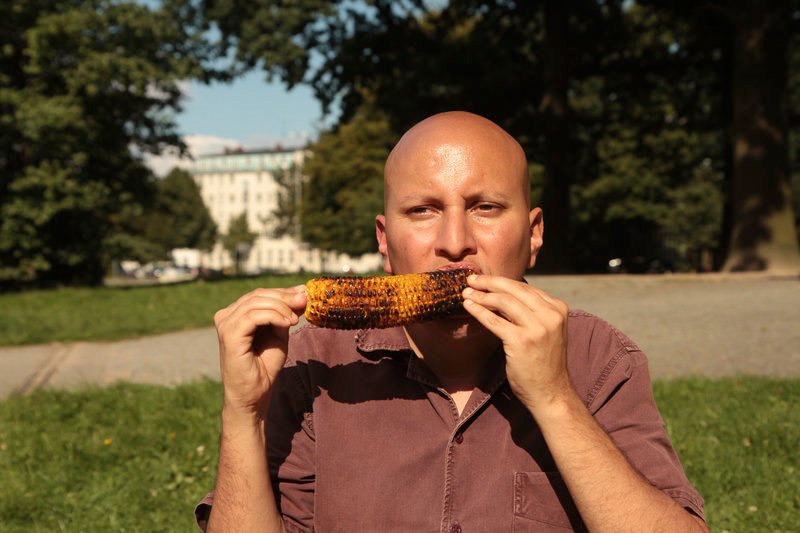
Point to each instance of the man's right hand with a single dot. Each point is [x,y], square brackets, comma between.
[253,340]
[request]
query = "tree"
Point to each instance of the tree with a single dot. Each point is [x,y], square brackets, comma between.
[649,187]
[764,234]
[661,72]
[86,88]
[511,62]
[238,240]
[344,188]
[285,218]
[752,40]
[179,218]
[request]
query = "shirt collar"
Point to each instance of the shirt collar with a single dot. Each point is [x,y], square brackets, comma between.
[394,340]
[390,339]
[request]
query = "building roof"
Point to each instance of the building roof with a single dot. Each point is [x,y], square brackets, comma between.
[275,149]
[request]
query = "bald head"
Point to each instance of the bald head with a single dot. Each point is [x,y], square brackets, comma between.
[457,138]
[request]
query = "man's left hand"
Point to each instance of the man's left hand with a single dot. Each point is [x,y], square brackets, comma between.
[532,326]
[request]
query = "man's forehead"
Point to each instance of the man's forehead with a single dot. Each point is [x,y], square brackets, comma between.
[454,134]
[459,140]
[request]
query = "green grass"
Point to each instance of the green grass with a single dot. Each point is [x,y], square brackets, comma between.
[129,458]
[106,313]
[738,440]
[137,458]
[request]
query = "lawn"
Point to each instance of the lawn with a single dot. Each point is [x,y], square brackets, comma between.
[106,313]
[137,458]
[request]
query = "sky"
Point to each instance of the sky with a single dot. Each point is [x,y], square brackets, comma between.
[249,112]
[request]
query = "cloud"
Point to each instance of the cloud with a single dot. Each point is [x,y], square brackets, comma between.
[197,145]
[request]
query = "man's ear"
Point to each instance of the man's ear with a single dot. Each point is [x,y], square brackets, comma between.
[536,219]
[383,247]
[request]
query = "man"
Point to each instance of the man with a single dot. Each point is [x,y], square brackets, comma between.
[516,414]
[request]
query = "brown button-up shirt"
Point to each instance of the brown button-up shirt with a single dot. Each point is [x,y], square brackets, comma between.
[362,437]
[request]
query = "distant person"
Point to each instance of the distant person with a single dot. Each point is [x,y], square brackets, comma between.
[515,415]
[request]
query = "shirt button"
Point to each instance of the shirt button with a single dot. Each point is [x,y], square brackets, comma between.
[459,439]
[455,527]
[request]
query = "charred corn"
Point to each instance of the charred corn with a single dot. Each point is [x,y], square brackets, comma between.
[384,301]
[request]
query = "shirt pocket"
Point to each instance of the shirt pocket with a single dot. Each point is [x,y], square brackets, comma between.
[543,503]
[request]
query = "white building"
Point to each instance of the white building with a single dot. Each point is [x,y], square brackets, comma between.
[237,181]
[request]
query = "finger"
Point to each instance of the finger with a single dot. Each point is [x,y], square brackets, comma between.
[256,303]
[247,324]
[290,295]
[490,320]
[489,283]
[288,298]
[508,305]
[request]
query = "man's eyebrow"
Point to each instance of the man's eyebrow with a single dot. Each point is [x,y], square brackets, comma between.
[415,198]
[496,196]
[492,196]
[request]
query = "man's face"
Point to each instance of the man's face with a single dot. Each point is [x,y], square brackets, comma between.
[457,197]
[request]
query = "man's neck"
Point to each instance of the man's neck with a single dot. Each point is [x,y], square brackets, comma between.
[456,351]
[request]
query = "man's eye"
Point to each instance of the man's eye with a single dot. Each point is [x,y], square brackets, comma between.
[487,208]
[421,210]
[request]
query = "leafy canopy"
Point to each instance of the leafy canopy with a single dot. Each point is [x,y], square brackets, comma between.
[344,189]
[86,88]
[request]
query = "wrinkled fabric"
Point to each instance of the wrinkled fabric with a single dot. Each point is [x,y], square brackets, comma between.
[362,437]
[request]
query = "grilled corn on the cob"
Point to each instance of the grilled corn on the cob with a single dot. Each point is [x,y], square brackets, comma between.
[384,301]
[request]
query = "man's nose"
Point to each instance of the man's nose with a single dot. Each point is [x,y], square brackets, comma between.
[455,239]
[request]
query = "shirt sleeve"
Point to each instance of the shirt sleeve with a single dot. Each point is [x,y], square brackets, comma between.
[291,451]
[622,403]
[291,447]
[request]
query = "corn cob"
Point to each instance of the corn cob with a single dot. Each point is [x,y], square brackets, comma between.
[384,301]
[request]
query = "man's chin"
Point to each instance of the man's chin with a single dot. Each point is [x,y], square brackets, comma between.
[460,321]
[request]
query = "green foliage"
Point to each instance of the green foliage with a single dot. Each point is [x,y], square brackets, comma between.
[623,108]
[615,101]
[180,219]
[344,190]
[86,87]
[239,239]
[286,215]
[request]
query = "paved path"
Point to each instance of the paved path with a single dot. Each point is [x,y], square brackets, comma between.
[712,325]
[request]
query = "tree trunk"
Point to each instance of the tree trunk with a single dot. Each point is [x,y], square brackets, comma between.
[763,233]
[725,87]
[554,108]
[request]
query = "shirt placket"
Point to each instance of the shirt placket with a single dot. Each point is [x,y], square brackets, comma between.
[450,522]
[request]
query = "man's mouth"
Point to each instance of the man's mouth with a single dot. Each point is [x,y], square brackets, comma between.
[462,265]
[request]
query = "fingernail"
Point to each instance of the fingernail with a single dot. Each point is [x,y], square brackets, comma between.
[468,292]
[468,302]
[472,277]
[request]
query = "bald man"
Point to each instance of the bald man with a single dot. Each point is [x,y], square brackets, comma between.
[517,414]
